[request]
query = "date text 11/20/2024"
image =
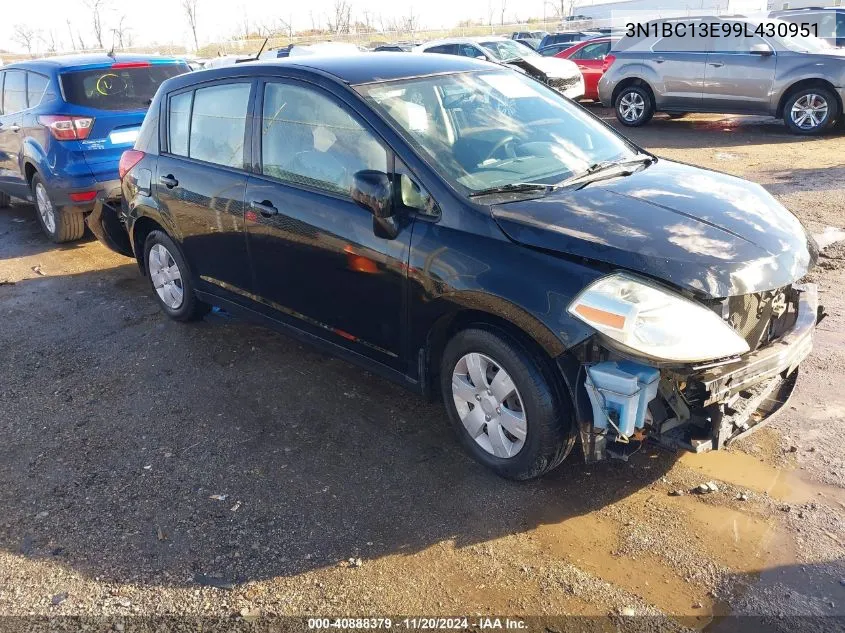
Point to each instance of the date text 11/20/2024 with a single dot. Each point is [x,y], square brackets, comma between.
[419,623]
[703,29]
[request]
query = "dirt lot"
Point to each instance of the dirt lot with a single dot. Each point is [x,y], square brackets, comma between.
[141,460]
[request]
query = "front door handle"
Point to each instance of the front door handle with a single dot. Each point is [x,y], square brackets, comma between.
[265,208]
[169,181]
[716,64]
[14,127]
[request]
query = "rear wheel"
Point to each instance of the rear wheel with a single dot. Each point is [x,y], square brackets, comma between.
[503,406]
[58,225]
[634,106]
[171,278]
[810,111]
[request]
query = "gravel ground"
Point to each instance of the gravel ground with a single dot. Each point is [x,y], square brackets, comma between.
[222,470]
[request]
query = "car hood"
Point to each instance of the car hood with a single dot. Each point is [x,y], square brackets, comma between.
[552,66]
[696,229]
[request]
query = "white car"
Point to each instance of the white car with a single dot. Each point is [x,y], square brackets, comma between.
[561,74]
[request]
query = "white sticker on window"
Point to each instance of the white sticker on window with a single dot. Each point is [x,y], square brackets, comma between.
[417,117]
[509,85]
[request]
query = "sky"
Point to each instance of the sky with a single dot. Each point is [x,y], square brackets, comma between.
[163,21]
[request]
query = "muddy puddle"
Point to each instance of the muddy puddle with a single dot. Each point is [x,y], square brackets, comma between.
[653,544]
[747,471]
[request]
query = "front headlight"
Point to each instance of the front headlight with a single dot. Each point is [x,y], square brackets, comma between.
[654,321]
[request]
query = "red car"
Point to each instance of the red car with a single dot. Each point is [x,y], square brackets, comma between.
[593,58]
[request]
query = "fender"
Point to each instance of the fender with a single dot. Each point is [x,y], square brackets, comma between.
[633,70]
[805,72]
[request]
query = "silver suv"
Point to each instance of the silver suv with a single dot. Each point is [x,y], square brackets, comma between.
[801,79]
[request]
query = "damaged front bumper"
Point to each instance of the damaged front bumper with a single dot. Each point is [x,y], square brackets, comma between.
[706,407]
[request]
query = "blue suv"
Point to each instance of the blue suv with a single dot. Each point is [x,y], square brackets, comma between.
[64,122]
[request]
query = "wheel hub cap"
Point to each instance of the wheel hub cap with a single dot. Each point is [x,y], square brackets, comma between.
[631,106]
[809,111]
[489,405]
[166,277]
[45,208]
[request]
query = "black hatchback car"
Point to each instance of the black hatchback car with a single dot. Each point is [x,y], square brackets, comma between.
[467,231]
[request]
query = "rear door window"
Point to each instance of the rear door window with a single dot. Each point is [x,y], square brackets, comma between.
[14,92]
[443,49]
[118,87]
[593,51]
[218,124]
[36,85]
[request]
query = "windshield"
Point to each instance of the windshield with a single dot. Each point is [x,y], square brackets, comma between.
[482,130]
[118,88]
[506,50]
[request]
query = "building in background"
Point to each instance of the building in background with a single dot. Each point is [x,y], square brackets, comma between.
[617,10]
[779,5]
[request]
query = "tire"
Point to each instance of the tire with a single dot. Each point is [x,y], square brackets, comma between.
[487,425]
[58,224]
[175,295]
[640,100]
[676,115]
[5,200]
[810,101]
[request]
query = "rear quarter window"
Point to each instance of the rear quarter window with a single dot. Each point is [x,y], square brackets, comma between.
[121,89]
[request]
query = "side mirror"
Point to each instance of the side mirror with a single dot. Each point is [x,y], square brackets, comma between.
[481,57]
[373,190]
[762,49]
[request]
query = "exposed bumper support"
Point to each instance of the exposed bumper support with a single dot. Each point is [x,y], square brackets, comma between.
[783,355]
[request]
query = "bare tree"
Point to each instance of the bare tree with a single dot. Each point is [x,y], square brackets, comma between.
[504,7]
[122,33]
[410,22]
[50,41]
[190,8]
[70,32]
[342,17]
[24,35]
[97,7]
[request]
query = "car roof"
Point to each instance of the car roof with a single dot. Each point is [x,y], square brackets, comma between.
[475,39]
[360,68]
[88,60]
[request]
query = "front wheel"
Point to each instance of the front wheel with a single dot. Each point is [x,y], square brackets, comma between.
[503,406]
[810,111]
[171,278]
[634,106]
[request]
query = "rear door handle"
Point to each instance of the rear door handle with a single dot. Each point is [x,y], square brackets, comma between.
[659,60]
[265,208]
[169,181]
[716,64]
[14,127]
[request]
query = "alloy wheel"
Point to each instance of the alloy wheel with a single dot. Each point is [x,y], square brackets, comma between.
[489,405]
[45,208]
[632,106]
[809,111]
[166,277]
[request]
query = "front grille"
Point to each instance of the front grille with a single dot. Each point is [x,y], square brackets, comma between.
[563,83]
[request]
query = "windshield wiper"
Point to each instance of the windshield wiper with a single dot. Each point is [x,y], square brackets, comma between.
[515,187]
[595,171]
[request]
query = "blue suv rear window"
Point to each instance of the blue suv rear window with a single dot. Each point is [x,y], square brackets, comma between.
[117,88]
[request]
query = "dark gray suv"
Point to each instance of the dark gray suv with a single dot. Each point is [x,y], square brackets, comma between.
[801,79]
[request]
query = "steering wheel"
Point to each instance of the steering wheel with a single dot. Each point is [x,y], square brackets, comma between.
[499,145]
